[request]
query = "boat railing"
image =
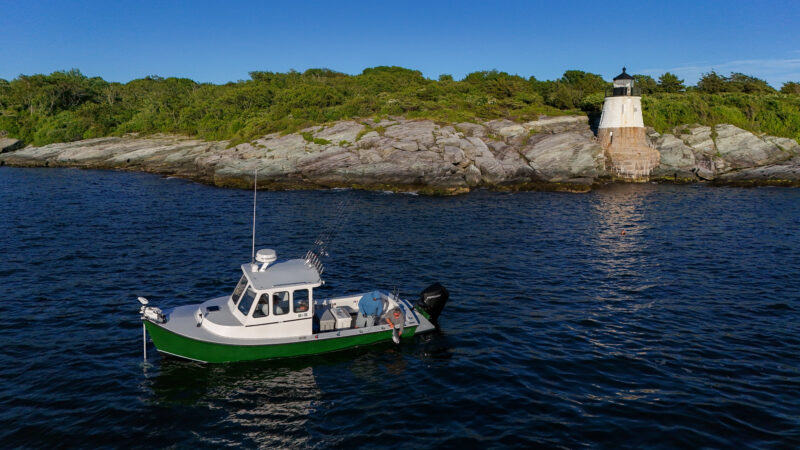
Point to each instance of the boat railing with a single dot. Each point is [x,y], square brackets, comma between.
[621,91]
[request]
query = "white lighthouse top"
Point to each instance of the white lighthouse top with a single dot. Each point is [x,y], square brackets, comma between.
[623,80]
[623,108]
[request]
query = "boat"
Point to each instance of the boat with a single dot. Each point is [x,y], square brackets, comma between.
[274,312]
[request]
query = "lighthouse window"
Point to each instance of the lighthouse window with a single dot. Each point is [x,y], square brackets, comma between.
[280,303]
[237,292]
[247,301]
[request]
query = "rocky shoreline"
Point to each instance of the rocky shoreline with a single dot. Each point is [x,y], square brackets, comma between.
[552,153]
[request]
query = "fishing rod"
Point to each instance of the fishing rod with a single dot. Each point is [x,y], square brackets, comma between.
[326,238]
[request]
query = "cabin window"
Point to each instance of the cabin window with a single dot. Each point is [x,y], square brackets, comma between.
[237,292]
[280,303]
[247,301]
[262,307]
[300,300]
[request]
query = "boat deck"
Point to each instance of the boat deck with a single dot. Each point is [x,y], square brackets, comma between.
[183,321]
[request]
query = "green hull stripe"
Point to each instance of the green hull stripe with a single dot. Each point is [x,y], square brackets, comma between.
[421,311]
[168,342]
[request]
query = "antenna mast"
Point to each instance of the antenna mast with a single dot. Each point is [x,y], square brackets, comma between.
[255,186]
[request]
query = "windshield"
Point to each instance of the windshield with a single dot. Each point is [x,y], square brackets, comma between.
[239,289]
[247,301]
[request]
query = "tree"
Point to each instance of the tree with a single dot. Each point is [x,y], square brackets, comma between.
[562,96]
[646,83]
[585,83]
[791,87]
[711,83]
[669,82]
[739,82]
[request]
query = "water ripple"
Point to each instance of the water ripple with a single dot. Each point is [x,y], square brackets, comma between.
[562,331]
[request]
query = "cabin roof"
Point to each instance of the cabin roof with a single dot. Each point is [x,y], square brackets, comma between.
[282,273]
[623,76]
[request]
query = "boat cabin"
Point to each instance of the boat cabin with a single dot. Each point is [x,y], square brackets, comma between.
[275,299]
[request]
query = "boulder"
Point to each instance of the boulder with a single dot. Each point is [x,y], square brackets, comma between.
[492,172]
[565,157]
[699,139]
[408,146]
[741,149]
[787,172]
[341,131]
[494,126]
[412,130]
[559,124]
[472,176]
[10,144]
[790,146]
[677,158]
[453,154]
[514,165]
[471,129]
[512,130]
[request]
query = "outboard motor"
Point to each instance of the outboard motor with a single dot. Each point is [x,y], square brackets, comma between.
[432,300]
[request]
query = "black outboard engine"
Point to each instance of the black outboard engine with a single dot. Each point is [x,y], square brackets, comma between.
[432,300]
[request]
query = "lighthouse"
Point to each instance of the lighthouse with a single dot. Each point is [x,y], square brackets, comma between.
[622,134]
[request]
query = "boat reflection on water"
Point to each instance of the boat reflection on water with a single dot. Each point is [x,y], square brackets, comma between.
[279,403]
[262,404]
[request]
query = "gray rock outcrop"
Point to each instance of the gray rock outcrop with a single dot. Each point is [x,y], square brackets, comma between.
[9,144]
[726,154]
[390,154]
[421,155]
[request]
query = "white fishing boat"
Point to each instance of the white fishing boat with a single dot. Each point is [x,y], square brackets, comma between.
[274,311]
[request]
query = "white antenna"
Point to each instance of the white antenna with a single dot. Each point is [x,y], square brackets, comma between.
[255,186]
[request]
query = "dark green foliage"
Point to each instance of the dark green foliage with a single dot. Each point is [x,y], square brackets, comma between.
[790,87]
[712,83]
[646,83]
[739,82]
[670,83]
[66,106]
[774,114]
[571,90]
[308,136]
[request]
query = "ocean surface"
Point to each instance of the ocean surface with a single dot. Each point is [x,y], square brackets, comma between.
[633,316]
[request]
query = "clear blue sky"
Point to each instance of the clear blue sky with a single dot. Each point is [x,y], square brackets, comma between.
[222,41]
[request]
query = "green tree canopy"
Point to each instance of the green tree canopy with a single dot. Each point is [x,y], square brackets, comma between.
[790,87]
[711,83]
[669,82]
[737,82]
[646,83]
[585,83]
[67,105]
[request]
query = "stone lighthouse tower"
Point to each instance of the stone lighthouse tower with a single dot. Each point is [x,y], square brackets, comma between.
[622,134]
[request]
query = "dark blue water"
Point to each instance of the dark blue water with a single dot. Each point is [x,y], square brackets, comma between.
[561,330]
